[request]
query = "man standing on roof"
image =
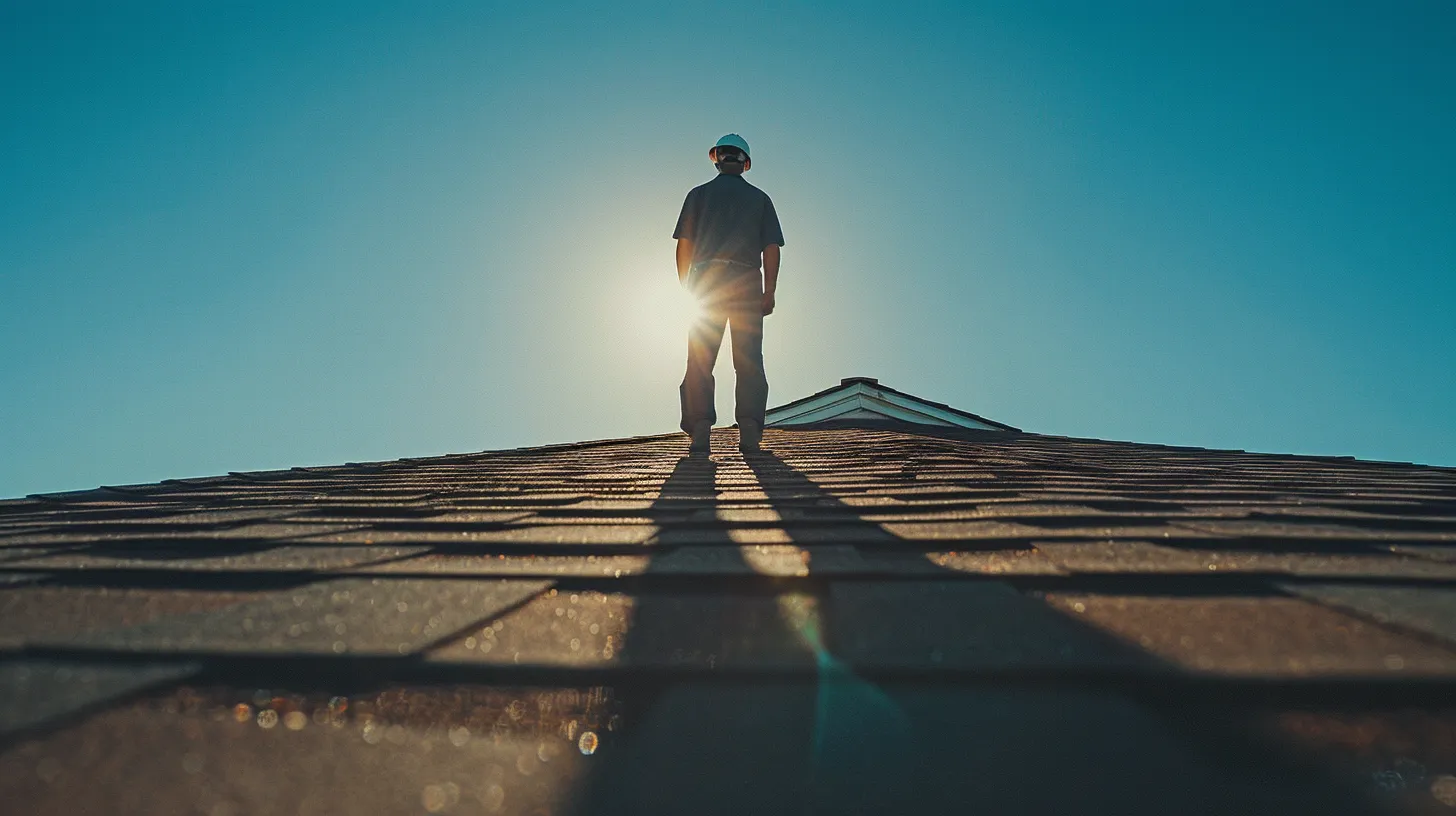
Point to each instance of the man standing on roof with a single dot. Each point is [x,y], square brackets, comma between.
[726,229]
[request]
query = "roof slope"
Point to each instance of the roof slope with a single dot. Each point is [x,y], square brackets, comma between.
[862,619]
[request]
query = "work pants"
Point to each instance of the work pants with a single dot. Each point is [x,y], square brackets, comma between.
[731,296]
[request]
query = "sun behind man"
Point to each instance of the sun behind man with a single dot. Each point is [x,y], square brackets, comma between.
[727,227]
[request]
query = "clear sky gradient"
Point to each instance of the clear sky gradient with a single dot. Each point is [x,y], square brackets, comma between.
[240,236]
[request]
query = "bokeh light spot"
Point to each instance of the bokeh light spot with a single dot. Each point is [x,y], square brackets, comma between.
[588,743]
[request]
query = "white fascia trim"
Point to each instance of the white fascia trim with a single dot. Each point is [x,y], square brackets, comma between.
[944,416]
[829,406]
[861,400]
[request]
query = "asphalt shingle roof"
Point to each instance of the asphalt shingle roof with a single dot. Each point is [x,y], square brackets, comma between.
[869,619]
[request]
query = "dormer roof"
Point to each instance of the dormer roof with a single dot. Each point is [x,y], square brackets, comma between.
[860,400]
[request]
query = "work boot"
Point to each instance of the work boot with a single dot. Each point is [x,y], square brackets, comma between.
[750,435]
[702,433]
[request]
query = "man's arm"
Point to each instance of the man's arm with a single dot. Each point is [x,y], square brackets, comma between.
[685,258]
[770,277]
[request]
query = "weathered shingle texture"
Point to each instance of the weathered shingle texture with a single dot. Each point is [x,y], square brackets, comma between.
[860,620]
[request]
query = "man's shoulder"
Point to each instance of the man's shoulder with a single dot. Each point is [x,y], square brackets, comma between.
[726,184]
[757,191]
[746,187]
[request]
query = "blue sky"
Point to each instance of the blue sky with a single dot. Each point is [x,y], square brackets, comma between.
[252,235]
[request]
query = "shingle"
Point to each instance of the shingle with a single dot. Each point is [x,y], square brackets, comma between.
[530,535]
[212,518]
[1019,510]
[960,625]
[41,613]
[359,616]
[199,557]
[503,564]
[994,562]
[1133,556]
[1120,555]
[16,531]
[842,534]
[761,536]
[1313,531]
[762,559]
[968,530]
[420,749]
[1434,552]
[1431,610]
[1265,636]
[607,506]
[21,557]
[137,533]
[685,631]
[34,691]
[96,495]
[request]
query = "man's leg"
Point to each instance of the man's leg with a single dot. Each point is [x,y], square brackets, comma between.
[696,391]
[751,388]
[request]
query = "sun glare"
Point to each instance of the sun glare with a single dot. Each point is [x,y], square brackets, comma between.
[666,305]
[661,313]
[689,308]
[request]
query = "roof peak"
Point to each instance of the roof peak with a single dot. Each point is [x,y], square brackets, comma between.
[864,399]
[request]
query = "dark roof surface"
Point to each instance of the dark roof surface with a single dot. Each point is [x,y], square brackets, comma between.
[860,620]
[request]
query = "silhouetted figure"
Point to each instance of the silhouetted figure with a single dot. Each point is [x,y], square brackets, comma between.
[726,229]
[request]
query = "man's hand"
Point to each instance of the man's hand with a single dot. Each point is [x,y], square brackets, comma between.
[768,303]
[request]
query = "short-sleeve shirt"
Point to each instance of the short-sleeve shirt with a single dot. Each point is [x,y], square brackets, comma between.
[729,219]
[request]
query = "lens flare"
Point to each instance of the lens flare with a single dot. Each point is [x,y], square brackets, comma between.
[650,322]
[689,308]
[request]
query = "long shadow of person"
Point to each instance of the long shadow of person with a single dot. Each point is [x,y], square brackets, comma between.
[904,738]
[717,700]
[808,695]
